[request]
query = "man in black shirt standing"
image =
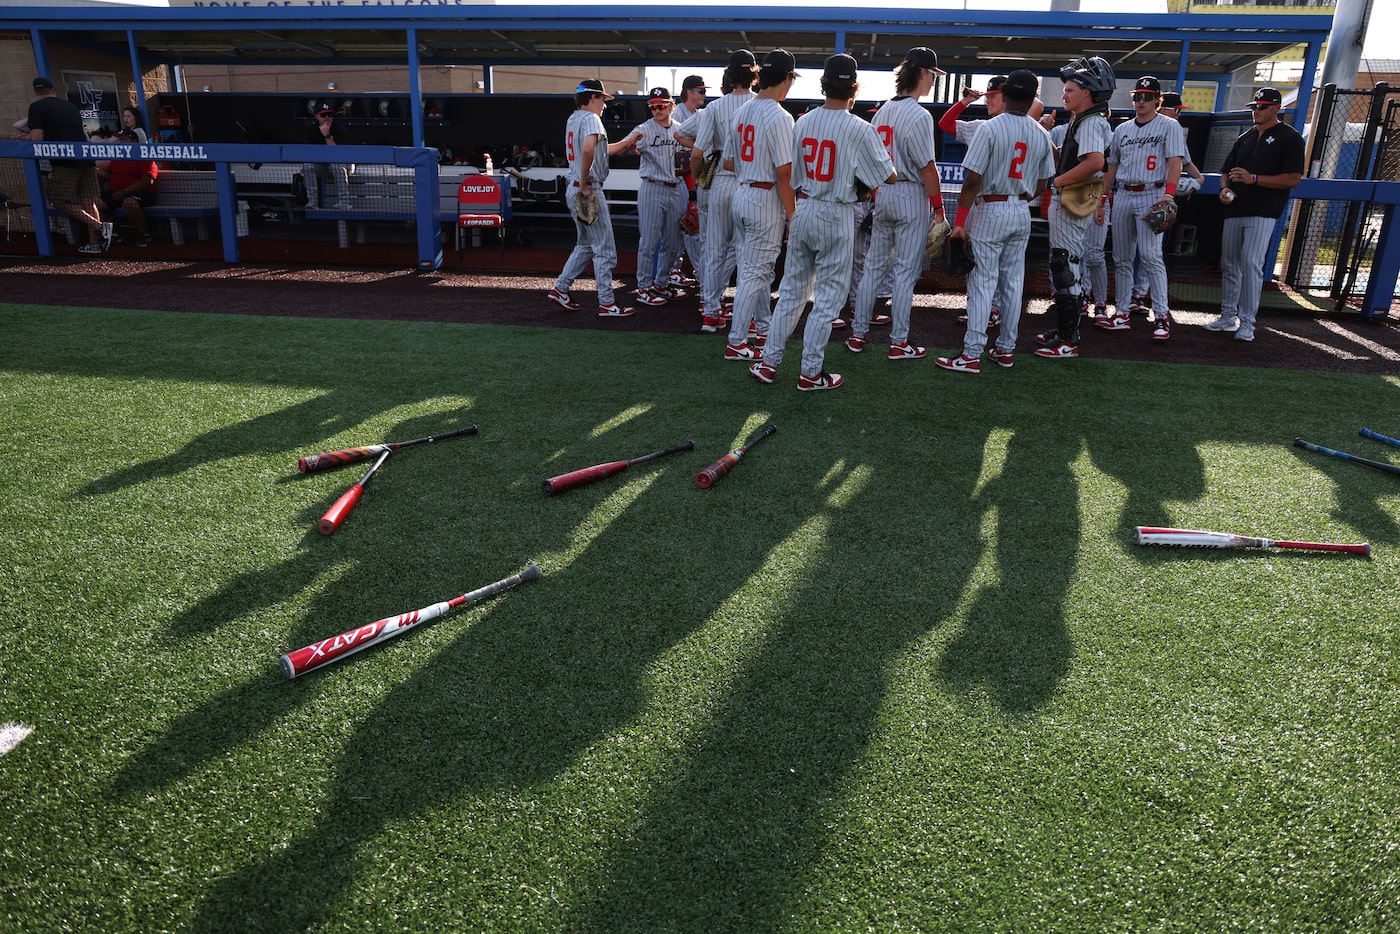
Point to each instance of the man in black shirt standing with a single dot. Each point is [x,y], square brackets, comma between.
[336,175]
[73,186]
[1263,166]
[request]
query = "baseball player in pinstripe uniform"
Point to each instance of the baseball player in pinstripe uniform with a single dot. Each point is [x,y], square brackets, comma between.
[1144,164]
[1006,168]
[717,223]
[1093,267]
[1265,163]
[903,208]
[587,148]
[661,200]
[685,119]
[758,148]
[965,131]
[1089,84]
[832,148]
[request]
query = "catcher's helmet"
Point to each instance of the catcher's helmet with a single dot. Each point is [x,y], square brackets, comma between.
[957,258]
[1093,73]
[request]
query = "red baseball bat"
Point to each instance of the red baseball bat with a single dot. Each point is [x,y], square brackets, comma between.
[342,507]
[586,475]
[712,474]
[333,459]
[1193,538]
[351,641]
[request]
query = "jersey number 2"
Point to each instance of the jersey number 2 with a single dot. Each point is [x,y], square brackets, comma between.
[1017,162]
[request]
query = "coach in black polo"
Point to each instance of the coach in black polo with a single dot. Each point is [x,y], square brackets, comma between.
[1263,166]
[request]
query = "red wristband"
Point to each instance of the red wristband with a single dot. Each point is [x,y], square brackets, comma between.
[1171,190]
[960,219]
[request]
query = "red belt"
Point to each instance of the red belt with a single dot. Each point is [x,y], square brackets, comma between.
[1005,197]
[1144,187]
[766,186]
[657,181]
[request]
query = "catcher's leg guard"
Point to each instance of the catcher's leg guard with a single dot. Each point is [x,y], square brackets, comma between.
[1062,267]
[1068,310]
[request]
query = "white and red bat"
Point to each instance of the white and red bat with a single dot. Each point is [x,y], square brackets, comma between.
[313,656]
[717,470]
[341,508]
[1193,538]
[332,459]
[586,475]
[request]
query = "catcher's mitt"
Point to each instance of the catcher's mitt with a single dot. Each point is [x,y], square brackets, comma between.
[1081,199]
[586,207]
[937,236]
[957,256]
[863,191]
[1161,215]
[690,220]
[705,175]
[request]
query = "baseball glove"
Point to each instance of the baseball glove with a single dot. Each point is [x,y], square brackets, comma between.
[690,220]
[863,191]
[1082,198]
[957,257]
[705,176]
[1161,215]
[937,236]
[586,207]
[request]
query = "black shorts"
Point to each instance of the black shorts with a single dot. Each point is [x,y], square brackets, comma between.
[144,198]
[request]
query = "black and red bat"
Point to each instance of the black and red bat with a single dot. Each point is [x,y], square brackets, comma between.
[586,475]
[713,473]
[333,459]
[342,507]
[326,651]
[1364,462]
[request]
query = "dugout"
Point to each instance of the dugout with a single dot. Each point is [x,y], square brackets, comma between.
[415,77]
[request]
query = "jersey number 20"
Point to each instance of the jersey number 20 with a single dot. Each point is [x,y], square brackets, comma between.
[819,158]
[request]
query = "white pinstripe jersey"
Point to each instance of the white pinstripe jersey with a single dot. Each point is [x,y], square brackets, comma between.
[905,129]
[657,149]
[715,120]
[1141,150]
[1058,134]
[1012,153]
[759,140]
[583,124]
[830,150]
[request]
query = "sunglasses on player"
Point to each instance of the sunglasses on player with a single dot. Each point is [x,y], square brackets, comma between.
[659,106]
[1144,96]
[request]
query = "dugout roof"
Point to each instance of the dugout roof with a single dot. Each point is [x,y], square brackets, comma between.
[1187,46]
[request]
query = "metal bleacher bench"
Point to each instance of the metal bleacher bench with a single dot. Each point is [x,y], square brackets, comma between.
[182,195]
[373,193]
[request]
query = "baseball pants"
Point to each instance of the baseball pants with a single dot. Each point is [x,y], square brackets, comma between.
[659,209]
[720,258]
[1132,238]
[999,243]
[595,245]
[758,223]
[897,239]
[1244,246]
[819,252]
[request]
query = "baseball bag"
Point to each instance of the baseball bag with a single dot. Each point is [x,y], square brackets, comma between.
[957,257]
[1161,215]
[1082,198]
[586,207]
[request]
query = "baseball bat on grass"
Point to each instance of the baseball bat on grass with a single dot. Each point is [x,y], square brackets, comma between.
[587,475]
[340,510]
[326,651]
[1383,439]
[333,459]
[1193,538]
[716,471]
[1374,465]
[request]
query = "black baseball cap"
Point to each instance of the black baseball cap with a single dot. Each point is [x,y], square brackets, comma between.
[742,58]
[325,109]
[840,67]
[1172,99]
[1147,84]
[921,57]
[592,85]
[1021,85]
[124,133]
[995,82]
[43,84]
[1264,97]
[780,60]
[693,83]
[658,94]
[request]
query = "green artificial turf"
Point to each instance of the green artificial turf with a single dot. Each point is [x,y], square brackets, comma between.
[901,670]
